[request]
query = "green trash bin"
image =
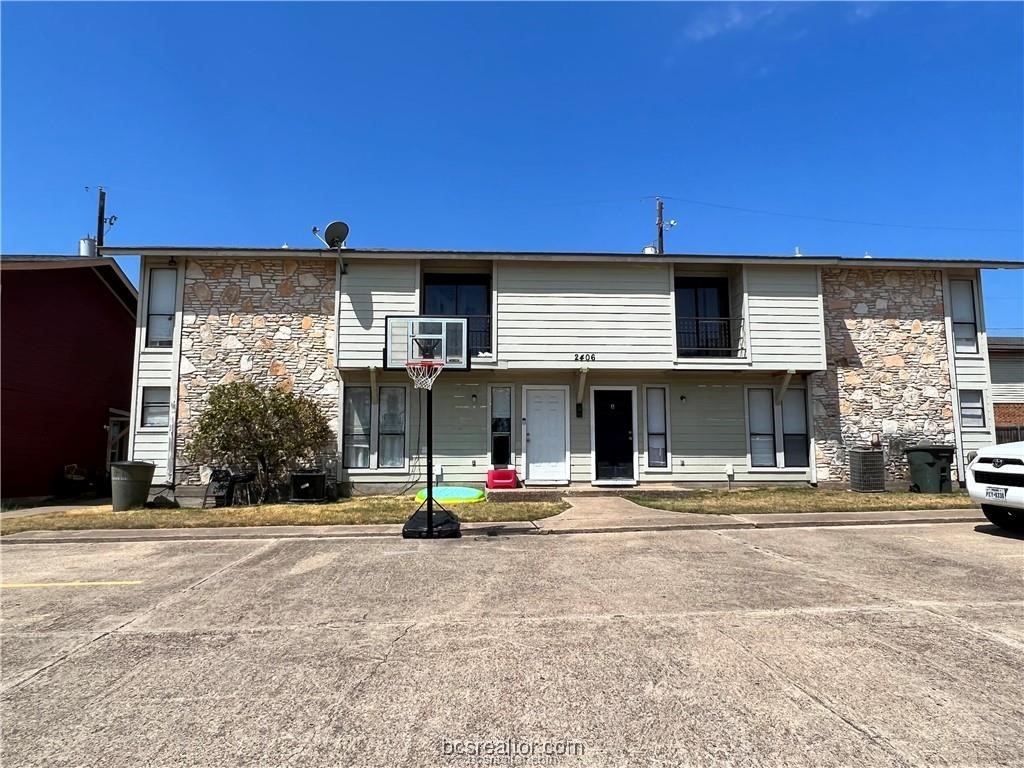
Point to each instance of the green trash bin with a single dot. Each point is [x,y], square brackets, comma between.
[930,468]
[129,484]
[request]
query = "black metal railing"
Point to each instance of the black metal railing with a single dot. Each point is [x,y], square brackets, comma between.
[709,336]
[478,330]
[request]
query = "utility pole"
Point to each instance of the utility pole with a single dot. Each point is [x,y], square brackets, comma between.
[661,226]
[101,219]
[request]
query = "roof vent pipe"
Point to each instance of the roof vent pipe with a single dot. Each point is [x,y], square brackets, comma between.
[87,247]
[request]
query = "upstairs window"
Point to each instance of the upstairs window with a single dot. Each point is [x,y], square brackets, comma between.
[703,325]
[965,322]
[163,285]
[457,295]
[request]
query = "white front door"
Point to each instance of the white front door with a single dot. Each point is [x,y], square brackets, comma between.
[545,434]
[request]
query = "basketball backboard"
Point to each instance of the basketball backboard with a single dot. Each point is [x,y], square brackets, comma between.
[412,338]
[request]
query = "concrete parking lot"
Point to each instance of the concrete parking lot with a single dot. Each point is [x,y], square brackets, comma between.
[865,646]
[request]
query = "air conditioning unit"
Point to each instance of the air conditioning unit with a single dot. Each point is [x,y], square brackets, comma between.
[867,470]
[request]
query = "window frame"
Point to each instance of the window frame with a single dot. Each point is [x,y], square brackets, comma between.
[143,406]
[374,466]
[751,434]
[722,284]
[806,434]
[779,434]
[380,431]
[512,458]
[980,407]
[973,323]
[668,430]
[173,315]
[457,280]
[345,435]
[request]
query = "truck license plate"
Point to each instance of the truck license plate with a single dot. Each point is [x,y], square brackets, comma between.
[995,493]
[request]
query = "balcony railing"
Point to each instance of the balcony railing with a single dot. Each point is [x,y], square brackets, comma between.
[478,330]
[709,336]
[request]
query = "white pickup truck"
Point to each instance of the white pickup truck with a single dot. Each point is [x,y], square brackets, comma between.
[995,479]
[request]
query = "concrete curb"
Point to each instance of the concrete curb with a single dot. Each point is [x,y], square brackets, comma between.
[518,528]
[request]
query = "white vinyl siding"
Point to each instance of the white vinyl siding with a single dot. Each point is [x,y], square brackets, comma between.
[707,428]
[969,364]
[610,315]
[1007,376]
[156,364]
[785,318]
[369,292]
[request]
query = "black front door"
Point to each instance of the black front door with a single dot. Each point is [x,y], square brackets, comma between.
[613,434]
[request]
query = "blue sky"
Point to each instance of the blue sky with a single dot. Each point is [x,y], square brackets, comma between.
[522,127]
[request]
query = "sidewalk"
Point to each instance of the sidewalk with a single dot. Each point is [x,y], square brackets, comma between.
[586,515]
[9,514]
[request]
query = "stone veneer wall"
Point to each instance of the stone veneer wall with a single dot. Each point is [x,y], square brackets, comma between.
[269,321]
[887,367]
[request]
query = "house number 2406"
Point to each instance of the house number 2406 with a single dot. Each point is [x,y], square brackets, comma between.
[585,357]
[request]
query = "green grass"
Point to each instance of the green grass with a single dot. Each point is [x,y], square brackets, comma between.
[357,511]
[753,501]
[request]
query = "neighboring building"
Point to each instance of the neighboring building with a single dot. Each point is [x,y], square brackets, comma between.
[67,327]
[1006,361]
[621,368]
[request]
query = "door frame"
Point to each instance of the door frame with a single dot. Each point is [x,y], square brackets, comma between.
[593,441]
[568,439]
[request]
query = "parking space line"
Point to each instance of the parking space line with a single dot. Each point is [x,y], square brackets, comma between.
[45,584]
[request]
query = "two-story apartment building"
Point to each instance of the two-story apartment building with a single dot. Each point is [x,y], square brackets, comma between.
[613,369]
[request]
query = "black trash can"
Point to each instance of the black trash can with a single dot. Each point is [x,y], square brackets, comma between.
[930,467]
[129,484]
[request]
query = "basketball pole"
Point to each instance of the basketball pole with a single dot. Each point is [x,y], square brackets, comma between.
[430,462]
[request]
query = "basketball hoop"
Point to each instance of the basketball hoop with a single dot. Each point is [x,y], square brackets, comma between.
[424,372]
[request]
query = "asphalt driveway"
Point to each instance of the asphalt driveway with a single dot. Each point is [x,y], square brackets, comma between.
[889,646]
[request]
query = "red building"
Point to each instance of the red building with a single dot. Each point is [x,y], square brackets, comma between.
[67,332]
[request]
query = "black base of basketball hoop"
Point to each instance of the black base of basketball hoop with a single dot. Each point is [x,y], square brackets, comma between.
[446,525]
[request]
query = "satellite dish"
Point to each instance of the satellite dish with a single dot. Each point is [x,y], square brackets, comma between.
[336,234]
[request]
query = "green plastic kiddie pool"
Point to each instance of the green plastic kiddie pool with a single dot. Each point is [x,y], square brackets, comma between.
[453,494]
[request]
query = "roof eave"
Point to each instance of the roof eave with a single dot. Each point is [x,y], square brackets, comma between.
[375,253]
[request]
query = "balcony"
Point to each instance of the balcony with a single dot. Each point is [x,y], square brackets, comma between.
[709,336]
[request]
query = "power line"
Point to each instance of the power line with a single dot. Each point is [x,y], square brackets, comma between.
[828,218]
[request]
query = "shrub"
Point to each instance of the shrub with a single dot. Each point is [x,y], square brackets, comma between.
[257,428]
